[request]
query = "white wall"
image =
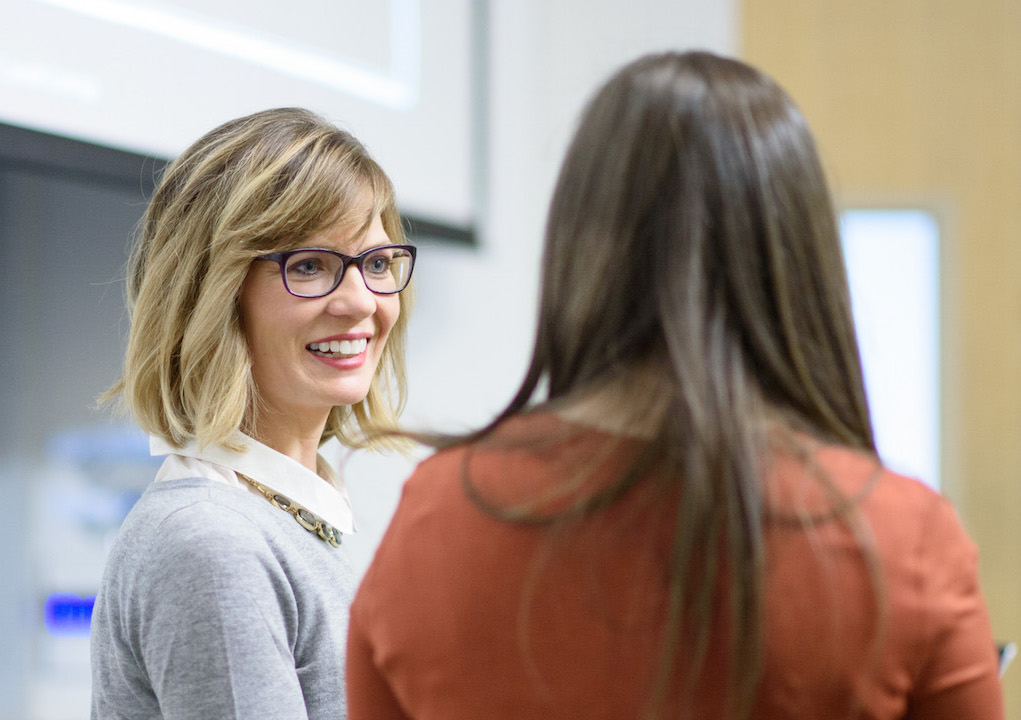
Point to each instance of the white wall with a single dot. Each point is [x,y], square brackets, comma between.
[471,335]
[152,75]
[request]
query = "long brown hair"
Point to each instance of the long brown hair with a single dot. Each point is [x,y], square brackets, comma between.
[692,231]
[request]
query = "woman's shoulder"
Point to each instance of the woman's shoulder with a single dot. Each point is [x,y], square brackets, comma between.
[909,520]
[519,460]
[199,502]
[816,473]
[193,522]
[884,490]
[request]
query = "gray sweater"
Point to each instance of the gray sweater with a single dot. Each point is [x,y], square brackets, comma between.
[216,604]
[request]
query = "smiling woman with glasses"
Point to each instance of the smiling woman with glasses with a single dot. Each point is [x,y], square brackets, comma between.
[226,592]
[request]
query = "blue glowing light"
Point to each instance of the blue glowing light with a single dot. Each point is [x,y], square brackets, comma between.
[68,615]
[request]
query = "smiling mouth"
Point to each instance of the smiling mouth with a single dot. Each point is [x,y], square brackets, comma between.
[339,348]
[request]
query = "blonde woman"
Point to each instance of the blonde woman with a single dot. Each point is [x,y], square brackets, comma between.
[267,316]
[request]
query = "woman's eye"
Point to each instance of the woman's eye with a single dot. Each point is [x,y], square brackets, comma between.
[377,265]
[305,267]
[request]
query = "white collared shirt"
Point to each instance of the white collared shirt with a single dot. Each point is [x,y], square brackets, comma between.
[322,493]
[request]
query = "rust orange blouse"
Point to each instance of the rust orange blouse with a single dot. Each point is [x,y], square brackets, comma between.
[465,616]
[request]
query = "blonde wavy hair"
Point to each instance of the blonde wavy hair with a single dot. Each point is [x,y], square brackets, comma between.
[261,183]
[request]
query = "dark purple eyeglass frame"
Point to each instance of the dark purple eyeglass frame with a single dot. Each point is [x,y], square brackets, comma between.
[281,258]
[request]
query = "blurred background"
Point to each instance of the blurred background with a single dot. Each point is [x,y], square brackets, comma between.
[468,104]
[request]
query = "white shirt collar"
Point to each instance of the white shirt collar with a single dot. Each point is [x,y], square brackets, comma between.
[323,494]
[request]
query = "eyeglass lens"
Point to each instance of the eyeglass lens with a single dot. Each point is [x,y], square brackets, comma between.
[314,273]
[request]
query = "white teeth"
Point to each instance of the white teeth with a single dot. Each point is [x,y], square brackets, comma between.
[340,347]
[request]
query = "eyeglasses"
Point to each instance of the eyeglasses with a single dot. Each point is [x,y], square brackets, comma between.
[316,272]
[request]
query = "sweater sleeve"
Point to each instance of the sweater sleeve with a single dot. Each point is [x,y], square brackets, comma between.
[959,677]
[216,620]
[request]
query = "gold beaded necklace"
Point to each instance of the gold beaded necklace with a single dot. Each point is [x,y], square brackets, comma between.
[311,522]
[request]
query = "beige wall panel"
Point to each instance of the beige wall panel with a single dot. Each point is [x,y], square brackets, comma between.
[918,103]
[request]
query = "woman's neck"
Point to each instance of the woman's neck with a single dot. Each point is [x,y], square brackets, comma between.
[633,403]
[296,440]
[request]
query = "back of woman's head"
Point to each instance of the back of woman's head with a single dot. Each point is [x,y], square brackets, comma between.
[260,183]
[692,225]
[692,248]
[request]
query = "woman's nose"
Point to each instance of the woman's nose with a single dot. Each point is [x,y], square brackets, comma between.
[351,297]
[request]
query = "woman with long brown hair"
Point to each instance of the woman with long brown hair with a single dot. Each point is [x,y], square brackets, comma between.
[682,513]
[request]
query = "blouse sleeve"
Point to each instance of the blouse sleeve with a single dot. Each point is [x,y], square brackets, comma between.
[959,675]
[369,695]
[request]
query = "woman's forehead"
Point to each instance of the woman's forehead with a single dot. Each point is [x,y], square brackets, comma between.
[351,235]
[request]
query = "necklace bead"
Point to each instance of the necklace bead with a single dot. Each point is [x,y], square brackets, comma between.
[315,525]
